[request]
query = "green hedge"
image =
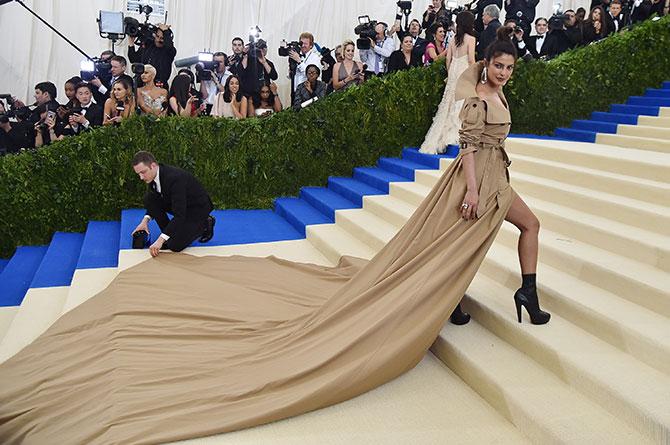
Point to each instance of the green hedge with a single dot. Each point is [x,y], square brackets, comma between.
[246,164]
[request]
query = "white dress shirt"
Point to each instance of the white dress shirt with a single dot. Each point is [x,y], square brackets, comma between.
[311,58]
[376,57]
[157,180]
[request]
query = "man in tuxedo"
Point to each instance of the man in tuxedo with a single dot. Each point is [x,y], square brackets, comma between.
[89,113]
[615,17]
[117,71]
[414,30]
[45,94]
[176,191]
[536,43]
[490,18]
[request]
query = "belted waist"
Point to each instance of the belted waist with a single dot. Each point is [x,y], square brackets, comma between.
[488,181]
[495,144]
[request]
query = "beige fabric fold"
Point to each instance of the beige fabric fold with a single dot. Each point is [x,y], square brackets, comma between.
[181,347]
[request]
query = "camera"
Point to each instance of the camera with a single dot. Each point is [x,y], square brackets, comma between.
[366,31]
[137,69]
[95,67]
[286,48]
[204,70]
[405,5]
[143,32]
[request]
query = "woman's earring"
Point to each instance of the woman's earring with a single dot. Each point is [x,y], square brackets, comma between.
[484,76]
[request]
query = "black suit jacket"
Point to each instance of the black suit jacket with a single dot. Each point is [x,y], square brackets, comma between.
[487,37]
[419,45]
[397,61]
[531,45]
[183,196]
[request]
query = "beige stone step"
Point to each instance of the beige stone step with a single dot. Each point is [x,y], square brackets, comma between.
[367,227]
[647,247]
[664,112]
[654,121]
[38,310]
[633,392]
[333,242]
[428,177]
[389,208]
[627,326]
[542,406]
[427,405]
[645,131]
[655,192]
[642,143]
[629,279]
[651,217]
[626,161]
[7,314]
[87,283]
[410,192]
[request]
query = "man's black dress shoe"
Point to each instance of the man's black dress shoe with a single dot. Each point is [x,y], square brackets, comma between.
[208,233]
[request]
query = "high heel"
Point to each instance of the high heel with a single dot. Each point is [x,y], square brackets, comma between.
[530,302]
[458,317]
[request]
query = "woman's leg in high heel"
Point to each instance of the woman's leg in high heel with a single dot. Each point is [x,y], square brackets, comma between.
[523,218]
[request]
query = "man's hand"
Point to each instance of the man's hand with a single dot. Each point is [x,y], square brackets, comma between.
[18,103]
[519,34]
[144,225]
[163,27]
[294,55]
[155,248]
[96,82]
[79,118]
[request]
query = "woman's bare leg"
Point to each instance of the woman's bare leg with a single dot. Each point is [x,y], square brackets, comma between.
[523,218]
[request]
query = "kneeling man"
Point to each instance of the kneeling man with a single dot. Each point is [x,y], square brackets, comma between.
[176,191]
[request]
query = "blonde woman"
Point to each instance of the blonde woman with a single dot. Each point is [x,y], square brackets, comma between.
[121,104]
[348,72]
[150,98]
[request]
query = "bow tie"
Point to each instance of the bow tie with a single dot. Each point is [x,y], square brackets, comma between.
[540,37]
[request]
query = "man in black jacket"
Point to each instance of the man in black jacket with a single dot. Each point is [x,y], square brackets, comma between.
[523,11]
[490,18]
[414,30]
[176,191]
[160,53]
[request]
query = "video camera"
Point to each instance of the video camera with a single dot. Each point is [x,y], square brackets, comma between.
[366,31]
[285,48]
[95,68]
[20,113]
[143,32]
[206,66]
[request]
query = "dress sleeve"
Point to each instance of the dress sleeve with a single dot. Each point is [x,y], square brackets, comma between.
[472,116]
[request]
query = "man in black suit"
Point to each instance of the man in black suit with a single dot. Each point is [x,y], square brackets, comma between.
[414,30]
[537,44]
[490,18]
[88,114]
[176,191]
[45,94]
[615,18]
[523,11]
[117,71]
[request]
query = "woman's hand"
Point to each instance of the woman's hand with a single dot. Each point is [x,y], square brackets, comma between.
[273,88]
[469,205]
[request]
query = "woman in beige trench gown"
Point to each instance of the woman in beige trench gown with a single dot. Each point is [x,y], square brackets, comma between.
[180,347]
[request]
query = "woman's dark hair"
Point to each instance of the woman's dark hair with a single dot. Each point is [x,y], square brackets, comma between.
[502,44]
[75,80]
[441,4]
[433,30]
[226,90]
[603,22]
[465,24]
[257,97]
[180,89]
[318,71]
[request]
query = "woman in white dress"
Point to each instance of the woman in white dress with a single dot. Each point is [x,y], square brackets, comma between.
[460,55]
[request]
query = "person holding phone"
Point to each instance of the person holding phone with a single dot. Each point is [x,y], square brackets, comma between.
[182,101]
[348,72]
[45,128]
[86,114]
[231,103]
[121,104]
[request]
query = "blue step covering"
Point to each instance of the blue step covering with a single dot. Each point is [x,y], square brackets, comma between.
[377,178]
[413,154]
[649,101]
[59,262]
[101,245]
[326,201]
[19,272]
[130,218]
[249,226]
[656,92]
[598,127]
[576,135]
[618,118]
[401,167]
[3,263]
[666,85]
[299,213]
[634,109]
[352,189]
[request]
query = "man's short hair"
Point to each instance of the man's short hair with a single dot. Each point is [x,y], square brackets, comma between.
[415,21]
[47,87]
[618,2]
[120,59]
[220,54]
[83,85]
[107,54]
[492,11]
[238,38]
[539,19]
[307,35]
[143,157]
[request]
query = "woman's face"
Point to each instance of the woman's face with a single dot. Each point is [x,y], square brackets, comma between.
[147,76]
[69,91]
[499,70]
[407,43]
[119,91]
[265,93]
[312,75]
[440,34]
[595,15]
[349,52]
[437,4]
[234,85]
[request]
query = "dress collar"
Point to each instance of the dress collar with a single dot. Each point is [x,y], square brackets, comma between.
[466,88]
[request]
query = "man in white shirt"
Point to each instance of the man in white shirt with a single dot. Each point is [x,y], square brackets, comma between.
[380,50]
[308,56]
[210,88]
[535,43]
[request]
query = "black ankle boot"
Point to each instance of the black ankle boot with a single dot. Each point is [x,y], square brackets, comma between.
[527,297]
[458,317]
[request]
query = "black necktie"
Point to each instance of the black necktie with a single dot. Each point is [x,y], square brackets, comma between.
[153,186]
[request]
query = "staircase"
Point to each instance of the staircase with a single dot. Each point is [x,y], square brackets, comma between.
[598,372]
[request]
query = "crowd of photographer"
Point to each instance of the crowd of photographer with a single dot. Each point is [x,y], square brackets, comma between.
[243,84]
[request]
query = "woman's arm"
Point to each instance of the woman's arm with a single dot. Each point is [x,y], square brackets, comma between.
[472,118]
[471,50]
[141,103]
[108,113]
[431,51]
[337,83]
[450,54]
[251,112]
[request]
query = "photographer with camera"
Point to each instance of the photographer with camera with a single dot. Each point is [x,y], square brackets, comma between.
[235,60]
[45,94]
[257,70]
[523,11]
[380,50]
[121,103]
[45,128]
[209,88]
[17,134]
[434,14]
[307,56]
[159,53]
